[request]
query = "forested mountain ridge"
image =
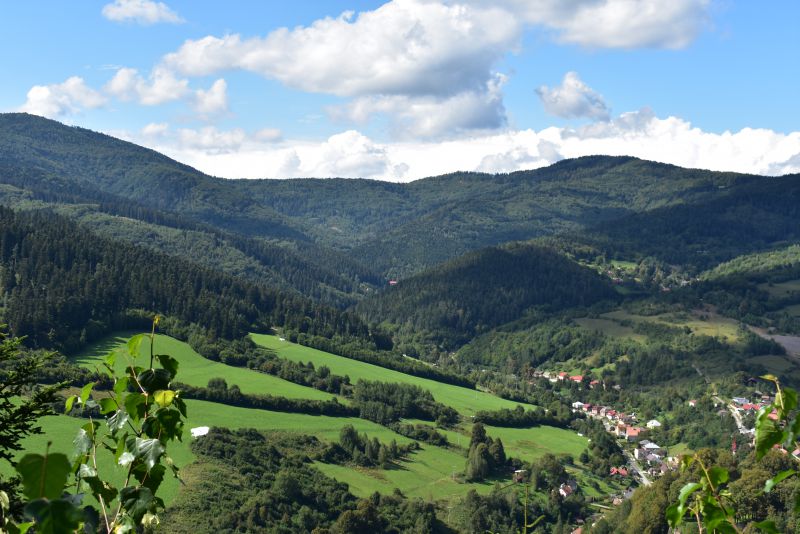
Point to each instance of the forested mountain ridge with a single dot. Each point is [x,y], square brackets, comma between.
[399,229]
[481,290]
[63,287]
[290,264]
[753,216]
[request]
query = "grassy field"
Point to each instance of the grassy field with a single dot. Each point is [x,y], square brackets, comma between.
[429,475]
[781,289]
[61,430]
[793,310]
[531,443]
[701,323]
[466,401]
[609,327]
[774,364]
[526,444]
[196,370]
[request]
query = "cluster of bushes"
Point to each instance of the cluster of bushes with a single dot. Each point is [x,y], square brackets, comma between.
[385,403]
[424,433]
[486,457]
[356,351]
[218,391]
[520,418]
[363,451]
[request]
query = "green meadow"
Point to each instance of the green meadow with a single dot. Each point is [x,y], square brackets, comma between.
[61,430]
[609,327]
[466,401]
[781,289]
[194,369]
[428,473]
[531,443]
[698,322]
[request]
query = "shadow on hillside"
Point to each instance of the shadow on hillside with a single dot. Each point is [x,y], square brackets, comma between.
[102,347]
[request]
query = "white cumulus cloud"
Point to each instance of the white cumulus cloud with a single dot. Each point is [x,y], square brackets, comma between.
[58,100]
[432,116]
[573,99]
[408,47]
[613,23]
[351,154]
[212,101]
[140,11]
[162,86]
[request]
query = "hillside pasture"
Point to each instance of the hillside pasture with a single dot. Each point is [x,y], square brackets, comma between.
[781,289]
[608,327]
[700,322]
[793,310]
[61,430]
[431,473]
[194,369]
[465,401]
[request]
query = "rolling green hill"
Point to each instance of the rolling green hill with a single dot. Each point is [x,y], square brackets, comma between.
[470,295]
[465,401]
[398,228]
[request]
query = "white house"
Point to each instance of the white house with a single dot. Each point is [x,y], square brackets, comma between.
[652,423]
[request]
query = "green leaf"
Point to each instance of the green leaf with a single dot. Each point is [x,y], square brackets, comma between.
[43,476]
[152,380]
[686,462]
[150,450]
[767,526]
[117,421]
[86,471]
[164,397]
[771,378]
[107,405]
[135,405]
[125,459]
[789,399]
[134,344]
[137,501]
[687,490]
[717,476]
[86,391]
[768,433]
[110,359]
[54,516]
[165,425]
[179,404]
[771,483]
[102,489]
[151,479]
[82,442]
[91,427]
[169,363]
[675,514]
[70,402]
[121,385]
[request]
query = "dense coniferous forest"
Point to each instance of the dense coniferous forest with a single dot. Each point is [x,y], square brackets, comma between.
[63,287]
[479,291]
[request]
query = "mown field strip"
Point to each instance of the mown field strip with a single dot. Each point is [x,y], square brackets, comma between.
[196,370]
[466,401]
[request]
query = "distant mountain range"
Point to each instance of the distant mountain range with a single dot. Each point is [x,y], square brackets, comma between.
[339,241]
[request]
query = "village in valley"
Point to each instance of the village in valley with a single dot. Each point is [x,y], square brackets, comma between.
[646,459]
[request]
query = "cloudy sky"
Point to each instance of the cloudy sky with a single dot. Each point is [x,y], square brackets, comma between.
[404,89]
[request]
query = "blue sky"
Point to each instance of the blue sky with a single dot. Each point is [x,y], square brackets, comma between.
[409,88]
